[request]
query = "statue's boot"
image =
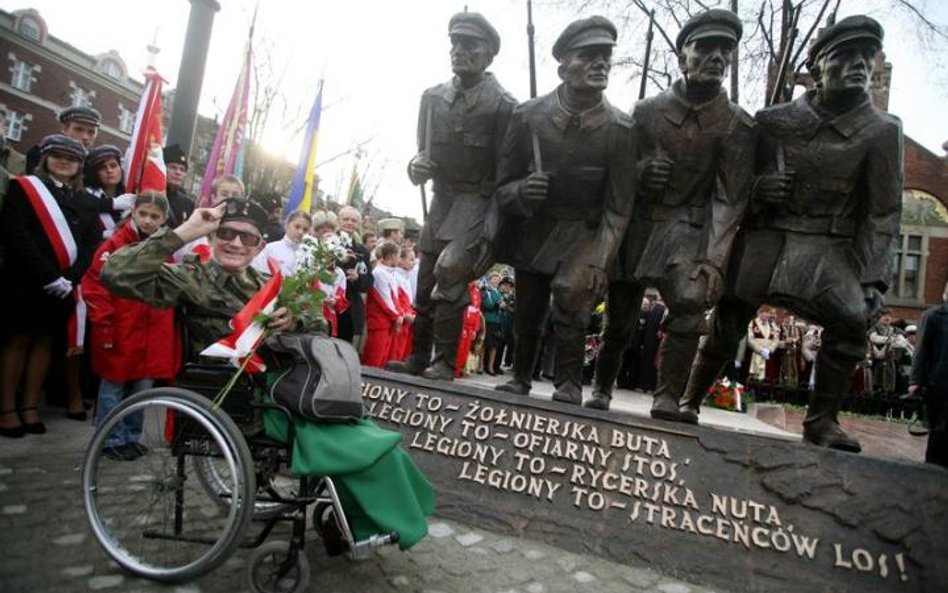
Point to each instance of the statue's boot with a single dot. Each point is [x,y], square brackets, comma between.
[704,371]
[821,426]
[412,365]
[568,375]
[525,355]
[677,352]
[448,324]
[607,369]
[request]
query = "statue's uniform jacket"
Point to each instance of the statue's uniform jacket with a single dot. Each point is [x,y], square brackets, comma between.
[838,231]
[590,157]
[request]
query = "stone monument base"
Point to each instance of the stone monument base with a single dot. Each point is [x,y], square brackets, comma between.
[744,512]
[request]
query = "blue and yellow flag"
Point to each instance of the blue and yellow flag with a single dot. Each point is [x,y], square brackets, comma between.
[301,192]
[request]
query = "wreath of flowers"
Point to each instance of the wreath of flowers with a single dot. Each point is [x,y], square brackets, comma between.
[727,395]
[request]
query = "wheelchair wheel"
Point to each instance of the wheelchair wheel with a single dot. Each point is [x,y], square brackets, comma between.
[151,514]
[215,477]
[268,562]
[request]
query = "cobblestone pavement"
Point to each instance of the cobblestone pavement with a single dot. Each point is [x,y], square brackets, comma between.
[48,547]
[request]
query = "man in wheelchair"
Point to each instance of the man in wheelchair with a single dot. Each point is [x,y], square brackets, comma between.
[372,474]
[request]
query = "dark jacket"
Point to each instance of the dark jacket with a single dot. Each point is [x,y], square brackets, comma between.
[930,367]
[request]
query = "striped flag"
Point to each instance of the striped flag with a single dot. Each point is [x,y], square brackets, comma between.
[301,192]
[355,195]
[228,151]
[144,162]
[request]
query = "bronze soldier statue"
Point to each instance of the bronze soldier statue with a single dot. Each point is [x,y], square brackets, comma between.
[696,151]
[567,173]
[822,224]
[460,127]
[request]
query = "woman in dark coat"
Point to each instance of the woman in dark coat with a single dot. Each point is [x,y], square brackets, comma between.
[48,236]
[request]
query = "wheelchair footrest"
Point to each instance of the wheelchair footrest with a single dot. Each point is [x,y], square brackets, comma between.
[376,541]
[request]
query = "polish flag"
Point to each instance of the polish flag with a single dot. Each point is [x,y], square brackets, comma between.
[248,333]
[144,161]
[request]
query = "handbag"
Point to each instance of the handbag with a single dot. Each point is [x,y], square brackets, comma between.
[321,380]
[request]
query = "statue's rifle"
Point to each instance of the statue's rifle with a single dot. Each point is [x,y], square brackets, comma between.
[648,53]
[424,196]
[533,60]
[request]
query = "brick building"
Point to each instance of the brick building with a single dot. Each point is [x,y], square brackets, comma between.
[40,75]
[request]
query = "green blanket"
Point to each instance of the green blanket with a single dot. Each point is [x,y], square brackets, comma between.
[380,487]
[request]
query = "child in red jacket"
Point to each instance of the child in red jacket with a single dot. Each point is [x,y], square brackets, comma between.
[133,344]
[383,318]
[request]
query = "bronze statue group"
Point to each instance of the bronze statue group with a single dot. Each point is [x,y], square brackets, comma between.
[796,207]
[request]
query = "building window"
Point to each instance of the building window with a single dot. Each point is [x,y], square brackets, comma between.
[126,119]
[80,97]
[909,261]
[14,129]
[113,70]
[22,76]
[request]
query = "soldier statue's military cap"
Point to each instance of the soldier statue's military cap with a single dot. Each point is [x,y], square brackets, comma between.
[83,114]
[63,145]
[473,24]
[100,154]
[391,224]
[715,22]
[859,28]
[174,154]
[589,32]
[245,211]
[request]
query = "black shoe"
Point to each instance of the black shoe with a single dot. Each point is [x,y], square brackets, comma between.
[514,386]
[410,366]
[37,427]
[13,432]
[439,371]
[114,453]
[77,416]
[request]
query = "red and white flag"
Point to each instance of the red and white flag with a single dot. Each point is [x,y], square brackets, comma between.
[248,333]
[144,161]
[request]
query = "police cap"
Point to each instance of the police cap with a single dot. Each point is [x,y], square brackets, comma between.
[716,22]
[589,32]
[63,145]
[473,24]
[391,224]
[174,154]
[245,211]
[857,28]
[83,114]
[100,154]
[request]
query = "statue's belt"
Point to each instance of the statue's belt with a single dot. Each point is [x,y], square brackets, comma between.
[697,215]
[836,226]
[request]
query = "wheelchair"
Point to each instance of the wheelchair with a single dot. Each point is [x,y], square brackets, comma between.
[202,487]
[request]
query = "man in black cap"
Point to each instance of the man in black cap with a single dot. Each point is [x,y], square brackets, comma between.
[78,122]
[215,290]
[567,174]
[822,224]
[696,151]
[460,127]
[176,168]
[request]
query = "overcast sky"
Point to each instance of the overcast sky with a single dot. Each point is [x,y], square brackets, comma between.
[378,56]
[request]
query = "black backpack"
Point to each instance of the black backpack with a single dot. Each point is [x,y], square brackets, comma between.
[320,377]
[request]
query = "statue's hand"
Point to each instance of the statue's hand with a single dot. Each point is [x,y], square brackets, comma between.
[421,168]
[775,188]
[596,281]
[656,172]
[713,282]
[535,187]
[875,302]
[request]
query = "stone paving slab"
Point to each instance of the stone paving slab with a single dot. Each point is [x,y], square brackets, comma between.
[48,547]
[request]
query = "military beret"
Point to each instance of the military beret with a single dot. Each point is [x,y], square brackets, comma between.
[174,154]
[716,22]
[62,144]
[391,224]
[852,28]
[473,24]
[245,211]
[588,32]
[100,154]
[80,113]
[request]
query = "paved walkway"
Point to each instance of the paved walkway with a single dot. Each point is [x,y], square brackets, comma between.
[47,546]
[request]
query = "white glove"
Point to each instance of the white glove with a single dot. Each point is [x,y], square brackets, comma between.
[765,352]
[123,202]
[59,288]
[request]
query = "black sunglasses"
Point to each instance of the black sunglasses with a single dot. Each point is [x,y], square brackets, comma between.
[247,238]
